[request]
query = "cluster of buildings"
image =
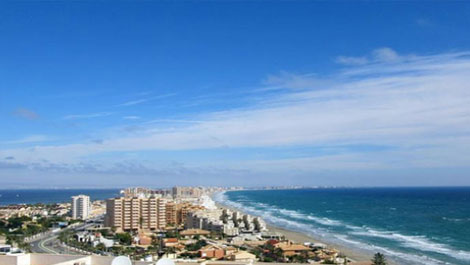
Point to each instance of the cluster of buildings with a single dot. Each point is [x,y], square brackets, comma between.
[151,210]
[181,217]
[33,210]
[145,192]
[175,192]
[219,252]
[53,259]
[94,238]
[177,212]
[186,192]
[79,208]
[150,214]
[225,222]
[142,209]
[315,252]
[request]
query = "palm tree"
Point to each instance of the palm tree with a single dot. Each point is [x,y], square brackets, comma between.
[379,259]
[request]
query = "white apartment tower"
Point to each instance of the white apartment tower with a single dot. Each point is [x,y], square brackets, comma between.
[81,207]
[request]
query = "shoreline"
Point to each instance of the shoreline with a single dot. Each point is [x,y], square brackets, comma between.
[299,237]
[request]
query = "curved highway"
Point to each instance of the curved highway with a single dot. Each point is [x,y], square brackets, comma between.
[49,242]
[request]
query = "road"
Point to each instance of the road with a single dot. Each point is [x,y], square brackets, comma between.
[45,246]
[50,243]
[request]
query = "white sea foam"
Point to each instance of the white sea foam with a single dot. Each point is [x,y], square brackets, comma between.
[298,215]
[268,213]
[207,202]
[409,258]
[325,221]
[415,259]
[417,242]
[262,205]
[457,220]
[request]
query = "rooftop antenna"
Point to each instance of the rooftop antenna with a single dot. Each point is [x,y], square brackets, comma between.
[121,260]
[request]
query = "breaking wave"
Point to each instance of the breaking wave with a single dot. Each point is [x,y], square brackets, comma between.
[354,235]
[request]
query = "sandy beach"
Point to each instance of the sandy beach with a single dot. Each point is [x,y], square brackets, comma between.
[301,238]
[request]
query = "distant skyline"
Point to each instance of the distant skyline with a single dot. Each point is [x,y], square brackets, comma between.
[263,93]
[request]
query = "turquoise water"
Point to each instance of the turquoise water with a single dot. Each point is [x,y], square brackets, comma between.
[33,196]
[410,225]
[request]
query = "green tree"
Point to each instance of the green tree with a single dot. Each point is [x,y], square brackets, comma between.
[16,222]
[124,238]
[101,247]
[105,232]
[196,246]
[379,259]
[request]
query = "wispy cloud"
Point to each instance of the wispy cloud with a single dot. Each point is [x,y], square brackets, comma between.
[381,55]
[131,117]
[416,104]
[143,100]
[286,80]
[26,114]
[173,121]
[350,60]
[28,139]
[87,116]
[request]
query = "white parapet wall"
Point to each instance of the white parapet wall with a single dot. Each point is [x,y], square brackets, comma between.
[23,259]
[106,260]
[53,259]
[58,259]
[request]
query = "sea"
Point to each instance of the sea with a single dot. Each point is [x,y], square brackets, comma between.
[46,196]
[409,225]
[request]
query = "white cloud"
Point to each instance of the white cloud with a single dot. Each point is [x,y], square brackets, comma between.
[131,117]
[28,139]
[385,55]
[133,102]
[291,81]
[348,60]
[380,55]
[418,105]
[143,100]
[87,116]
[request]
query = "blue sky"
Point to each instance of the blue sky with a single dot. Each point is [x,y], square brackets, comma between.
[111,94]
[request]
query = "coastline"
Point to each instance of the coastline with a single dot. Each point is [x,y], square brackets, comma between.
[298,237]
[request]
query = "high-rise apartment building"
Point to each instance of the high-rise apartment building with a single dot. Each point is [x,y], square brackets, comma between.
[136,213]
[172,213]
[81,207]
[186,192]
[176,212]
[145,192]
